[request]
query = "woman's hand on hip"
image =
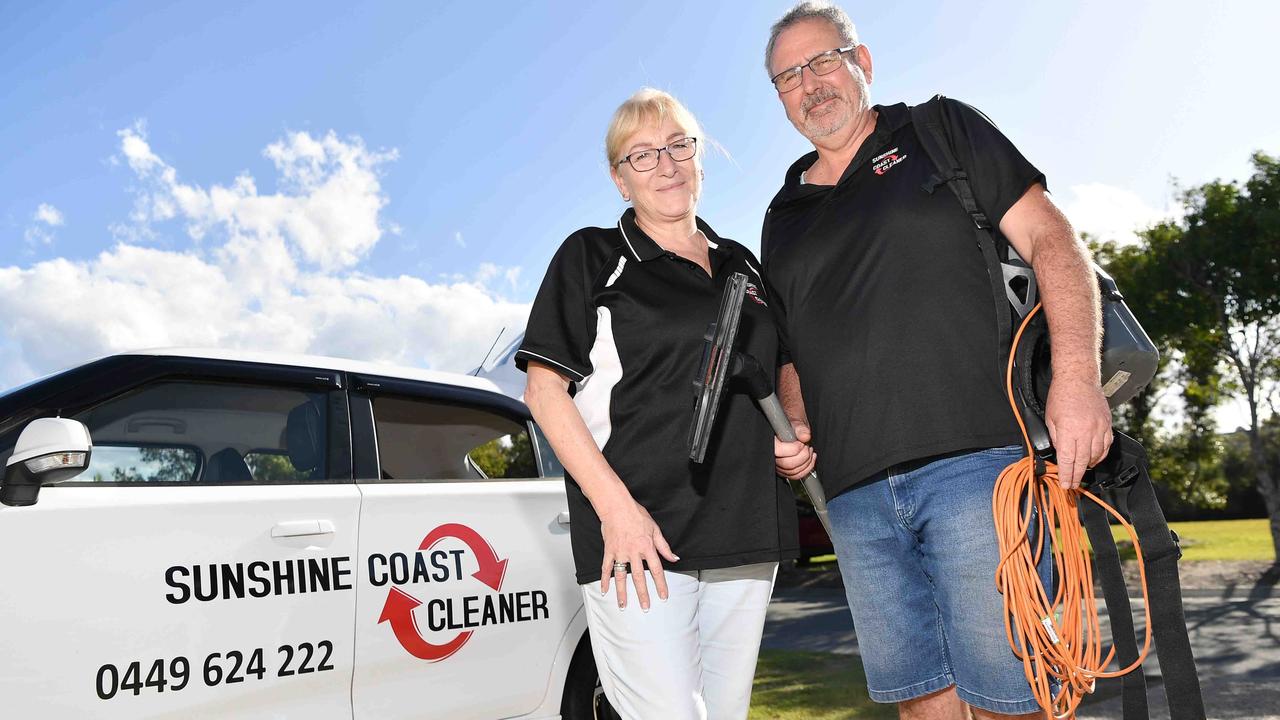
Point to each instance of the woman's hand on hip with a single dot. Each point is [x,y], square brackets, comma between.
[631,536]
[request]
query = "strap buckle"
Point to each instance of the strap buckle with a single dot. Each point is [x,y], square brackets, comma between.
[1124,463]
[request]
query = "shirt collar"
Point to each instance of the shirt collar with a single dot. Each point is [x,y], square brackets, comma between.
[642,247]
[889,119]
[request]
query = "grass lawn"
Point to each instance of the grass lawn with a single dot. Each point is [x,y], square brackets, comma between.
[1201,540]
[1215,540]
[812,686]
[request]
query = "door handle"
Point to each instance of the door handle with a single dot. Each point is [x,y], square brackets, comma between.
[563,518]
[301,528]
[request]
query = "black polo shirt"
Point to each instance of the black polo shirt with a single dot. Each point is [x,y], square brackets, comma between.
[883,299]
[624,320]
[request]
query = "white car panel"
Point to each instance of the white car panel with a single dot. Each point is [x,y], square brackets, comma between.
[112,571]
[98,579]
[502,667]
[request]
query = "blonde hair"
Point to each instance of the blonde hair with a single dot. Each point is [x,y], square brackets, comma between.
[647,107]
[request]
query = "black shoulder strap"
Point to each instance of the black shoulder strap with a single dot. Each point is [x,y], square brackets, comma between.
[931,127]
[1011,278]
[1124,470]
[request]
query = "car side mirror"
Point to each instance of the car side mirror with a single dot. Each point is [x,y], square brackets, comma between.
[49,450]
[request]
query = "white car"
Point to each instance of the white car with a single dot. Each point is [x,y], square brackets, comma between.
[189,533]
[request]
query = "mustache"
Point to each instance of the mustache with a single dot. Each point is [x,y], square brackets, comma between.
[821,96]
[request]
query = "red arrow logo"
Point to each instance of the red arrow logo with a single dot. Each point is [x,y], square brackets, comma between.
[491,569]
[399,607]
[399,612]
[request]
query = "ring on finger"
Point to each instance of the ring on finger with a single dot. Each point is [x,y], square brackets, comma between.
[621,567]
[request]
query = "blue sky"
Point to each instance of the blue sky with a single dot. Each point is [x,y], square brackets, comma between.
[141,202]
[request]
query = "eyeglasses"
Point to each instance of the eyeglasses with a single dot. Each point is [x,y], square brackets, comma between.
[824,64]
[646,160]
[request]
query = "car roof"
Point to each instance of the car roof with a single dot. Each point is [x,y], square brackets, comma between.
[320,362]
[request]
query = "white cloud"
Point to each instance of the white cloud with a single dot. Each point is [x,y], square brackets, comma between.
[35,236]
[49,215]
[39,232]
[486,274]
[457,239]
[259,271]
[1110,213]
[327,214]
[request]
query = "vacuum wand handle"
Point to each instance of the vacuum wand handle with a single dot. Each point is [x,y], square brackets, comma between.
[782,428]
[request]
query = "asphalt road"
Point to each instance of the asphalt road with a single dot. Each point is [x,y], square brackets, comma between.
[1235,638]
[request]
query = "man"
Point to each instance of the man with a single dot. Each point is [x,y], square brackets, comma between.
[891,355]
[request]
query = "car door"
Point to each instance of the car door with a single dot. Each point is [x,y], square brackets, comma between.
[467,587]
[202,566]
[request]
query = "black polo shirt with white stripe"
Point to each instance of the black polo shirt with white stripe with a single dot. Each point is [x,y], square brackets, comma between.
[624,320]
[884,302]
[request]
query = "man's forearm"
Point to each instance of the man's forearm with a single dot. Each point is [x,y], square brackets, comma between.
[789,394]
[1039,231]
[1069,292]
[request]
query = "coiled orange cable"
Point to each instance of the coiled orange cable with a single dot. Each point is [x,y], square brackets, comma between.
[1059,641]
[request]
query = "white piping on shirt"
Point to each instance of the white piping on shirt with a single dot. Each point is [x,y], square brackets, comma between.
[617,272]
[580,377]
[627,240]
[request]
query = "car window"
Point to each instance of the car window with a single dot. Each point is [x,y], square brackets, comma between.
[273,466]
[177,432]
[427,440]
[140,464]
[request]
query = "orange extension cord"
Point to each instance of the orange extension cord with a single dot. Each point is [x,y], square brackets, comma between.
[1059,640]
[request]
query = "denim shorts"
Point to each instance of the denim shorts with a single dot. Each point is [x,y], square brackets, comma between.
[918,554]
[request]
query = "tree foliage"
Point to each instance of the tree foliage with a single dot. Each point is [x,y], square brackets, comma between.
[1207,287]
[510,456]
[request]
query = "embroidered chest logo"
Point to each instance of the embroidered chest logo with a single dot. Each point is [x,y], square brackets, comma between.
[754,293]
[882,163]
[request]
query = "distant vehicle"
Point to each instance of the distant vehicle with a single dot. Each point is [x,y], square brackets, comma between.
[814,540]
[194,533]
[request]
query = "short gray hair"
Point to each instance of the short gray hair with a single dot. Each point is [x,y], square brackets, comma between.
[810,10]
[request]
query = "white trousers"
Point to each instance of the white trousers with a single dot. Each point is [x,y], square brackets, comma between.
[691,656]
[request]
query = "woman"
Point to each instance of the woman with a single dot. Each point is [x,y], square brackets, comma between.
[612,346]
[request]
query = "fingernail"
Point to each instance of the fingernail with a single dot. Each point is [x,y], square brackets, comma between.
[644,608]
[677,557]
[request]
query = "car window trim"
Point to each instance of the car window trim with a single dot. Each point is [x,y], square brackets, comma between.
[200,463]
[87,386]
[363,388]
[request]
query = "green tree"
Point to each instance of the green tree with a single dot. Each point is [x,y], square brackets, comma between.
[1210,284]
[510,456]
[273,468]
[158,464]
[1185,455]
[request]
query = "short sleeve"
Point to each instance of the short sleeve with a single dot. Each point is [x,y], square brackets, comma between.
[562,328]
[998,172]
